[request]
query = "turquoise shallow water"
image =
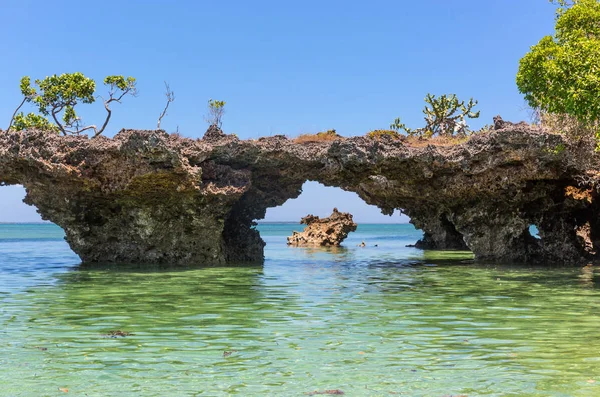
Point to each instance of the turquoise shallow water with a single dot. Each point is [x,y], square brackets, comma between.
[374,321]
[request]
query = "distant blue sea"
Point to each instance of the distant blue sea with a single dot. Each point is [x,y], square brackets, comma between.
[374,321]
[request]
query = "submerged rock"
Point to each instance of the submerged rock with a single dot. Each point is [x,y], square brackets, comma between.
[150,197]
[325,232]
[117,334]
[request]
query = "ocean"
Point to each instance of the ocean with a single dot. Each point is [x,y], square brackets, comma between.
[381,320]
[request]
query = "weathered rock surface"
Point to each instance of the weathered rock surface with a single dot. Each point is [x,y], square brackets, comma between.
[326,232]
[145,196]
[438,233]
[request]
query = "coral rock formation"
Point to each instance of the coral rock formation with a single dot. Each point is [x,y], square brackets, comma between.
[146,196]
[324,232]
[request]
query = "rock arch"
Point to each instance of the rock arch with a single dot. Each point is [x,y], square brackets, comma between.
[146,196]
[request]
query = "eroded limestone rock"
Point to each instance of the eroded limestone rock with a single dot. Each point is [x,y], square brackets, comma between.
[438,232]
[145,196]
[326,232]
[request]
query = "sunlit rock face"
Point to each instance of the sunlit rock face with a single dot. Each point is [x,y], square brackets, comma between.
[145,196]
[325,232]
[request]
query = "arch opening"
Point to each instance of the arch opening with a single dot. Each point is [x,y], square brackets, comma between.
[14,210]
[318,199]
[375,229]
[534,232]
[21,223]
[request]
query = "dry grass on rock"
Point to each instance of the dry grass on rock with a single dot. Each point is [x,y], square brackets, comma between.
[324,136]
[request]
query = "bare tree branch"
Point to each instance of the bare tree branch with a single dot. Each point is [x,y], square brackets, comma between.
[89,127]
[131,90]
[109,113]
[170,98]
[127,91]
[60,126]
[15,113]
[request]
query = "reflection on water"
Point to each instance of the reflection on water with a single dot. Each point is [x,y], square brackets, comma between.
[372,321]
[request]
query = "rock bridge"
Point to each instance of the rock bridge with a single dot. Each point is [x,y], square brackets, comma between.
[150,197]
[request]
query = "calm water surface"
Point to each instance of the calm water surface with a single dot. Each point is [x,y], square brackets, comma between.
[374,321]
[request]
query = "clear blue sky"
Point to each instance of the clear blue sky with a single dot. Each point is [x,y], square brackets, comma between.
[283,67]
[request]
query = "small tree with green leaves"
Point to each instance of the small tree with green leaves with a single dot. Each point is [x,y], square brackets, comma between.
[215,112]
[58,95]
[444,116]
[561,74]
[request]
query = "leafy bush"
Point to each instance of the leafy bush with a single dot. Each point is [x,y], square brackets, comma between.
[28,121]
[561,74]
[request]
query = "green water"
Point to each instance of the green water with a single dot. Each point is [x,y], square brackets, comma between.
[375,321]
